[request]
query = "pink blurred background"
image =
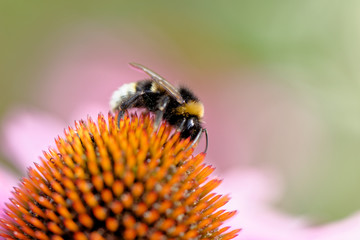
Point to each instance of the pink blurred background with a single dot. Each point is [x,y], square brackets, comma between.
[279,82]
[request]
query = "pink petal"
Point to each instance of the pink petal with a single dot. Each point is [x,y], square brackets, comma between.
[26,134]
[346,229]
[252,192]
[7,182]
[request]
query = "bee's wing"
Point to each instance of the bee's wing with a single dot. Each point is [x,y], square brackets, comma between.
[161,81]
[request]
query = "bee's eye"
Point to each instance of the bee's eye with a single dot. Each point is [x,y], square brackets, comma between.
[190,123]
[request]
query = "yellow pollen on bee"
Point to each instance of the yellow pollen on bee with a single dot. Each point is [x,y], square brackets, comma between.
[154,87]
[192,108]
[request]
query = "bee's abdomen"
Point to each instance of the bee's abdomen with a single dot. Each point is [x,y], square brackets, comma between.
[122,94]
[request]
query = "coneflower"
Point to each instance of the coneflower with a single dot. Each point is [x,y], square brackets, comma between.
[110,182]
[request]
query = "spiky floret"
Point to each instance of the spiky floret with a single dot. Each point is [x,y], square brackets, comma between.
[105,182]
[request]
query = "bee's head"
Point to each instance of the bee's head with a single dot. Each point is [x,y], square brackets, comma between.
[191,128]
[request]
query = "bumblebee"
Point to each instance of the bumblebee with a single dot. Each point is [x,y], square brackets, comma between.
[177,106]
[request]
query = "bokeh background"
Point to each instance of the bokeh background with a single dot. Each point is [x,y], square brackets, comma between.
[279,80]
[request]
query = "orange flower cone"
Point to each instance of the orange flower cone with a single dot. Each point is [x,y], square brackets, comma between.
[105,182]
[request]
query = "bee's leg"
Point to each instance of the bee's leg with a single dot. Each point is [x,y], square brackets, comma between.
[181,127]
[120,115]
[163,102]
[127,104]
[197,139]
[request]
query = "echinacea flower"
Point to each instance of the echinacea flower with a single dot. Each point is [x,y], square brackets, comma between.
[126,182]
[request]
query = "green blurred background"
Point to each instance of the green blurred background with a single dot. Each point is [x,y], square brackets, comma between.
[308,49]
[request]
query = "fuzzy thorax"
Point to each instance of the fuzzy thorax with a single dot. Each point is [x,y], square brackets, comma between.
[192,108]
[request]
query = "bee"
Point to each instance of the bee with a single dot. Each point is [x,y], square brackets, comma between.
[177,106]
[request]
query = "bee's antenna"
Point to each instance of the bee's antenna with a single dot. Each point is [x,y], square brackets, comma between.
[207,139]
[198,138]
